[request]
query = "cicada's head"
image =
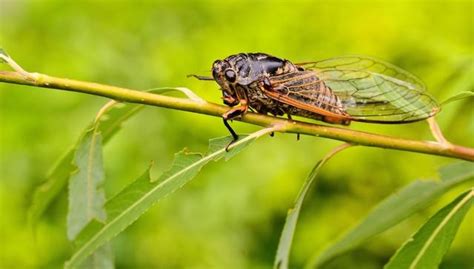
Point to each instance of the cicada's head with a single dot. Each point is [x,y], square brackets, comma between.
[225,75]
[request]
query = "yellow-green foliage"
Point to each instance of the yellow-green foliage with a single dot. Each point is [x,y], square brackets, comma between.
[232,213]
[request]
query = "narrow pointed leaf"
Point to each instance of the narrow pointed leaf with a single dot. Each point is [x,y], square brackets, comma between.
[286,238]
[396,208]
[86,196]
[102,258]
[459,96]
[139,196]
[431,242]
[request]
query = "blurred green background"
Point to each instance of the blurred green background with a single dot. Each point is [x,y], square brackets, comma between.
[231,215]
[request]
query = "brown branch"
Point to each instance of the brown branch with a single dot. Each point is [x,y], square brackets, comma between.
[290,126]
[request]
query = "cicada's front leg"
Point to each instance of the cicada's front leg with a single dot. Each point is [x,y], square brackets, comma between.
[229,99]
[233,114]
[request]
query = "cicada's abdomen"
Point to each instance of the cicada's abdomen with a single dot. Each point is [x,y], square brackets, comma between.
[306,88]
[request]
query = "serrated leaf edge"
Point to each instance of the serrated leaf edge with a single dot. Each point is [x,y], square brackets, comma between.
[83,249]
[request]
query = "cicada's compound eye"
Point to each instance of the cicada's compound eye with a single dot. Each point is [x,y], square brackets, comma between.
[230,75]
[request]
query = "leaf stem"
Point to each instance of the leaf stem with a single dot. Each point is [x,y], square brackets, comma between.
[291,126]
[437,133]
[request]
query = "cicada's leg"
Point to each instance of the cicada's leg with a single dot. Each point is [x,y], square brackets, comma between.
[229,99]
[298,134]
[232,114]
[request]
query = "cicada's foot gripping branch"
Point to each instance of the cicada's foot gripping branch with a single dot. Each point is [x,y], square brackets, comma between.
[234,113]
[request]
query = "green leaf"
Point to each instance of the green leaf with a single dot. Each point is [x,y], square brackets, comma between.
[109,123]
[427,247]
[139,196]
[457,97]
[396,208]
[102,258]
[86,196]
[286,238]
[457,171]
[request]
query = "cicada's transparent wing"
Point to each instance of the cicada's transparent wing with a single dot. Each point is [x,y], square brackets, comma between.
[374,91]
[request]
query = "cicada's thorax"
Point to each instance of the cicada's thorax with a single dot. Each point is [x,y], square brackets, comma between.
[251,69]
[254,66]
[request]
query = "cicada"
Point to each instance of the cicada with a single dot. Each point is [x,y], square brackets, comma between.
[337,90]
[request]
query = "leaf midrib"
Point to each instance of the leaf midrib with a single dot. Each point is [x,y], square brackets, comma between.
[90,161]
[438,229]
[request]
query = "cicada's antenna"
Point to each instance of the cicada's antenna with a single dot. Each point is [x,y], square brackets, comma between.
[200,77]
